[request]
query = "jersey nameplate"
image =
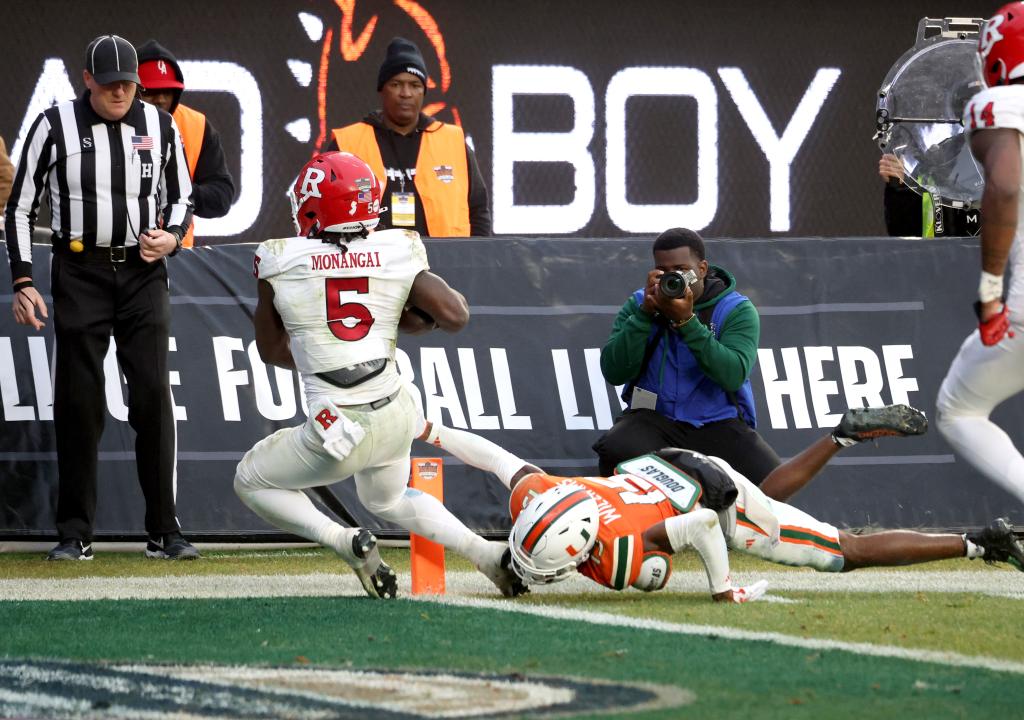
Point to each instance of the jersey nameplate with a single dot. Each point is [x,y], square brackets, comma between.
[681,490]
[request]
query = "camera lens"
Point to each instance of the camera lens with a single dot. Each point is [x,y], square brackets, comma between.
[672,285]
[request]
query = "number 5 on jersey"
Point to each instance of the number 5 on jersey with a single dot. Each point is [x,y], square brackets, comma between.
[348,321]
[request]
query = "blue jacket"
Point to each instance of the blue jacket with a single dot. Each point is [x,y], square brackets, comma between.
[701,374]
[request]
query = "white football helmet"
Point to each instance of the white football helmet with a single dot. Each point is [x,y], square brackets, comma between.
[554,534]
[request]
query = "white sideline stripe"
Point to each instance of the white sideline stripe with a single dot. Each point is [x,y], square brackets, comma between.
[1007,584]
[597,618]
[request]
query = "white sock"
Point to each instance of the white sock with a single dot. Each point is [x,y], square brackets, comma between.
[972,550]
[476,451]
[339,538]
[427,516]
[700,530]
[293,511]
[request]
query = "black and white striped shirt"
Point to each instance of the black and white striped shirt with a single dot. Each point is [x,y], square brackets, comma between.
[106,180]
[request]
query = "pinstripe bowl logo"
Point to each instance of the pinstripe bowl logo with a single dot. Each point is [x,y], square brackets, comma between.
[427,470]
[54,689]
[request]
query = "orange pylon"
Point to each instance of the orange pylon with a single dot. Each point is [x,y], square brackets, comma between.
[427,557]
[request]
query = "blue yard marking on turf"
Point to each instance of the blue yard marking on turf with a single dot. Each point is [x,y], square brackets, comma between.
[43,688]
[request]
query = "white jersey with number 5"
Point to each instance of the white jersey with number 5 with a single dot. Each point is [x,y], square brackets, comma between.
[342,307]
[1003,107]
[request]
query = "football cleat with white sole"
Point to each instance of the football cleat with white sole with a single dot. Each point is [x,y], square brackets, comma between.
[377,577]
[498,569]
[860,424]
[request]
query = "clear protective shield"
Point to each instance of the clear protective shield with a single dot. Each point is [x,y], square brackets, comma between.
[920,108]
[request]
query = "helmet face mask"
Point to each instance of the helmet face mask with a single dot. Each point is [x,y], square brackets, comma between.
[1001,46]
[554,534]
[335,192]
[294,203]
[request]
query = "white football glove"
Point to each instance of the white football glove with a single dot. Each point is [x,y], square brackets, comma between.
[749,593]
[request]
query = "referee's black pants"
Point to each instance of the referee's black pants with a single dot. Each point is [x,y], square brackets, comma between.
[637,432]
[93,298]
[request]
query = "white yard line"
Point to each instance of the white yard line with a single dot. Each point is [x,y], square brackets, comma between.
[1001,584]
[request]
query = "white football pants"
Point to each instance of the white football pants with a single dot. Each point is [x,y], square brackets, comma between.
[270,477]
[804,541]
[979,379]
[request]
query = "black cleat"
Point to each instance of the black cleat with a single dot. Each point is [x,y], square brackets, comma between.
[171,546]
[498,569]
[377,577]
[860,424]
[71,550]
[1000,543]
[518,587]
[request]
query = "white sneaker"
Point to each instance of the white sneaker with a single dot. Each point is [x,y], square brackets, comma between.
[498,569]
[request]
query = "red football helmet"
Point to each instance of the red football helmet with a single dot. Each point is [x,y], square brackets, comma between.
[1001,45]
[335,192]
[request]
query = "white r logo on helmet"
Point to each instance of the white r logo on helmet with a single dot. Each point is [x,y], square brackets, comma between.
[990,35]
[311,184]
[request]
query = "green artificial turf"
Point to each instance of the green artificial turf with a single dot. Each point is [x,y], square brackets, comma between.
[731,678]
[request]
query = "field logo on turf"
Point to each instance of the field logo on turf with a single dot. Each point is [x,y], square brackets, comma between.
[54,689]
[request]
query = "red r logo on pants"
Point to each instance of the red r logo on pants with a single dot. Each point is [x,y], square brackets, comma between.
[325,418]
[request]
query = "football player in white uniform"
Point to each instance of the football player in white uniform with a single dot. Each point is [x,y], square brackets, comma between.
[330,303]
[989,367]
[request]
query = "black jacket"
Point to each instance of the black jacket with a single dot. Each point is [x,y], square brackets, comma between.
[213,189]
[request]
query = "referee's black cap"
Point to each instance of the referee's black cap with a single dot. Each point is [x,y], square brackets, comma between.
[110,58]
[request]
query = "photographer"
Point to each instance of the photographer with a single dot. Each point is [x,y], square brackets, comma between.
[685,362]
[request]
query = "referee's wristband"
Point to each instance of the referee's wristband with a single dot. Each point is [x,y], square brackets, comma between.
[176,232]
[22,284]
[990,287]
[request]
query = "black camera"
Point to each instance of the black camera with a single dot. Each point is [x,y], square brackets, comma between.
[673,284]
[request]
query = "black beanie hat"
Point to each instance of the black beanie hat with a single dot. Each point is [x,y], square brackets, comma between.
[402,56]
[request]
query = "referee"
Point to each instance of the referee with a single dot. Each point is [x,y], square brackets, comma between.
[114,175]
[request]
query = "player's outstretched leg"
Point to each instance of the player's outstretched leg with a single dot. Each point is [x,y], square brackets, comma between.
[995,543]
[377,577]
[860,424]
[1000,543]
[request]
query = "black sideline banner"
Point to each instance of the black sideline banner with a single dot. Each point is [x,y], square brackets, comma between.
[844,322]
[593,119]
